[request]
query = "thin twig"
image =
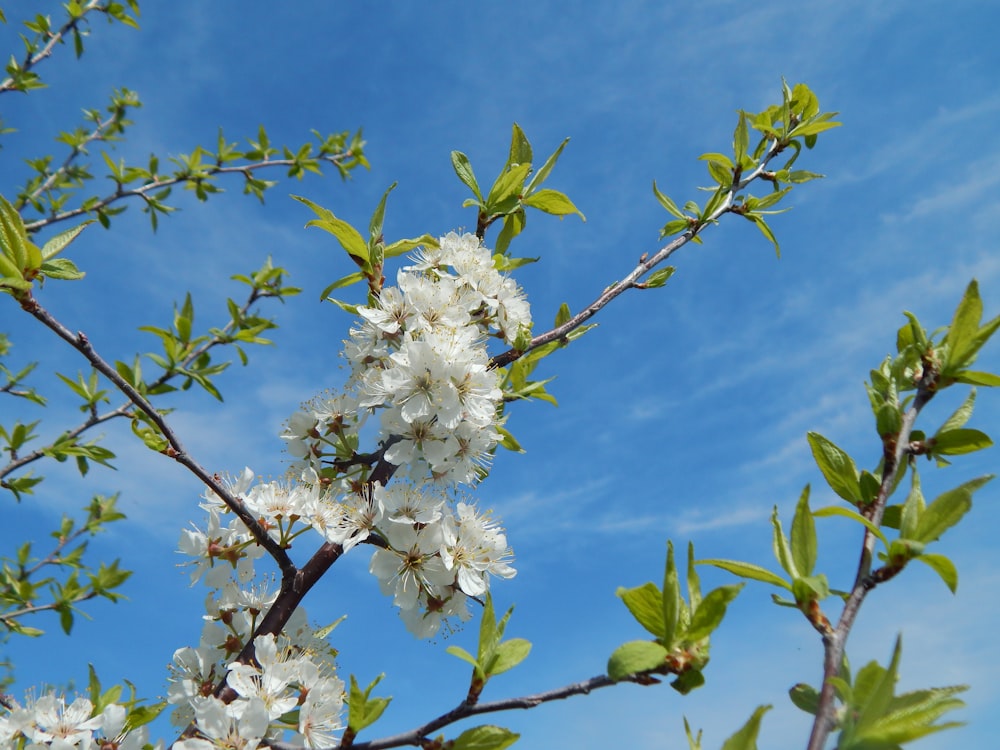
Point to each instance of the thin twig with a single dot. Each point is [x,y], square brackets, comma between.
[645,265]
[31,61]
[153,185]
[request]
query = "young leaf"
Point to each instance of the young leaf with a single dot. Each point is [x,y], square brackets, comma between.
[708,616]
[957,442]
[542,174]
[646,605]
[837,467]
[943,567]
[460,162]
[804,536]
[668,204]
[746,737]
[782,552]
[507,655]
[362,710]
[485,737]
[947,510]
[671,602]
[58,243]
[349,237]
[748,570]
[836,510]
[520,148]
[635,656]
[552,202]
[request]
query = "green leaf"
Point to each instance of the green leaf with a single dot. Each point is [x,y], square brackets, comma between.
[464,655]
[972,377]
[563,315]
[636,656]
[486,737]
[542,174]
[741,139]
[57,244]
[349,237]
[804,536]
[943,567]
[957,442]
[61,268]
[552,202]
[508,441]
[911,511]
[351,278]
[404,246]
[659,277]
[668,204]
[748,570]
[708,615]
[520,148]
[693,583]
[837,468]
[836,510]
[746,737]
[961,415]
[363,710]
[782,552]
[766,231]
[378,217]
[694,743]
[964,326]
[671,602]
[507,187]
[646,605]
[947,510]
[874,688]
[804,697]
[688,680]
[513,225]
[508,655]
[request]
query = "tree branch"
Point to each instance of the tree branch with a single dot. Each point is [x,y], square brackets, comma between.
[143,192]
[124,410]
[31,60]
[835,642]
[645,265]
[174,449]
[464,710]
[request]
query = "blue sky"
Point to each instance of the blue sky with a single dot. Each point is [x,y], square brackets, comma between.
[682,416]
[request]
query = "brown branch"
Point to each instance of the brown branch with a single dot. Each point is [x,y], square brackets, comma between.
[97,134]
[31,60]
[464,710]
[835,642]
[142,192]
[125,409]
[646,264]
[175,448]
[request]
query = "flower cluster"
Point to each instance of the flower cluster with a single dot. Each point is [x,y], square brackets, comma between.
[48,721]
[288,688]
[419,358]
